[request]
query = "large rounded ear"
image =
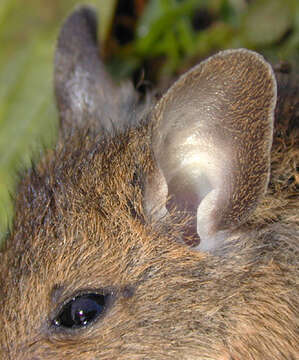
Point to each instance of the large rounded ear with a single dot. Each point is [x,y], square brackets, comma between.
[84,91]
[212,141]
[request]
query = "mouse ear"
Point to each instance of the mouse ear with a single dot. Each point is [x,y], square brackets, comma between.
[212,139]
[84,90]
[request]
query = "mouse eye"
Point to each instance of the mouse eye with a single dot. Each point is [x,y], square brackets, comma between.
[81,310]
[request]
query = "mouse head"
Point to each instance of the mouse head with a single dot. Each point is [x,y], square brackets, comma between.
[96,266]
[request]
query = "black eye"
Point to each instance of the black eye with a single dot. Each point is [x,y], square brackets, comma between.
[81,310]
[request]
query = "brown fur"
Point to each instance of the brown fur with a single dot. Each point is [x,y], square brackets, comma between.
[80,224]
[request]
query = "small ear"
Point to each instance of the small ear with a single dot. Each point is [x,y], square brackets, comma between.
[84,90]
[212,141]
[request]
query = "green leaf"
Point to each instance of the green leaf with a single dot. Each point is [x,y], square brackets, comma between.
[267,21]
[161,17]
[106,13]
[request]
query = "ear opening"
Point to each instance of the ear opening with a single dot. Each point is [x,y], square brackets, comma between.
[212,140]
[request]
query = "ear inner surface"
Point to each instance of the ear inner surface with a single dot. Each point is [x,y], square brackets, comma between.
[212,140]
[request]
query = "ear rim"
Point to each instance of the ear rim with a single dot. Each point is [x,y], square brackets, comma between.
[268,137]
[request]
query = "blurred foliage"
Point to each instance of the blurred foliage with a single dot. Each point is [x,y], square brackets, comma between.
[178,32]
